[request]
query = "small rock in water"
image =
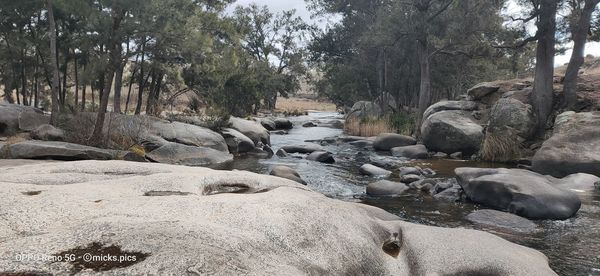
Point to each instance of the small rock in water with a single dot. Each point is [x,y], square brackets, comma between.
[428,172]
[368,169]
[386,188]
[287,173]
[501,220]
[410,170]
[424,185]
[309,124]
[456,155]
[321,156]
[281,153]
[410,178]
[440,155]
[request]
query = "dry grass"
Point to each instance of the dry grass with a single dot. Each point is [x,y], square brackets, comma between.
[501,148]
[301,105]
[368,128]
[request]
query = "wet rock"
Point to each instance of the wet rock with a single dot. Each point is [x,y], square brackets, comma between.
[501,220]
[287,173]
[281,153]
[268,123]
[386,188]
[362,143]
[35,149]
[483,89]
[387,141]
[262,151]
[456,155]
[321,156]
[237,142]
[279,132]
[410,178]
[282,123]
[48,133]
[452,131]
[337,124]
[251,129]
[521,192]
[574,146]
[309,124]
[348,139]
[411,152]
[104,202]
[440,155]
[368,169]
[450,105]
[304,148]
[386,162]
[179,154]
[428,172]
[579,182]
[409,170]
[452,194]
[443,185]
[425,185]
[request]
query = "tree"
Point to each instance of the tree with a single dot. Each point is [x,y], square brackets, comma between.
[543,86]
[54,64]
[580,28]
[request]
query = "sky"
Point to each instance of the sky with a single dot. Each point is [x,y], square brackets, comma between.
[275,6]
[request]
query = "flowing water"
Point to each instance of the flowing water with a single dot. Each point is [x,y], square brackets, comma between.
[572,246]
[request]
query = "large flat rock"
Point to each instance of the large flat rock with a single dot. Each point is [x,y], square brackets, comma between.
[573,148]
[35,149]
[196,221]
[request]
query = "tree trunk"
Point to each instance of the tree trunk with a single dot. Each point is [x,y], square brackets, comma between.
[63,93]
[152,89]
[37,85]
[425,82]
[131,80]
[543,86]
[118,83]
[83,91]
[76,81]
[138,107]
[113,63]
[54,65]
[580,33]
[24,80]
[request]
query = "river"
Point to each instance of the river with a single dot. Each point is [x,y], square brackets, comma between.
[572,246]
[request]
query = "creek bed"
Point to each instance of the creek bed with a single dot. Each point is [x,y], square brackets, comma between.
[572,246]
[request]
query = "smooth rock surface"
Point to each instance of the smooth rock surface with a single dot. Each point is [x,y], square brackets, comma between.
[482,89]
[452,131]
[321,156]
[9,117]
[227,223]
[411,152]
[517,191]
[31,119]
[449,105]
[304,148]
[48,133]
[188,134]
[179,154]
[501,220]
[35,149]
[368,169]
[574,146]
[387,141]
[287,173]
[282,123]
[386,188]
[236,141]
[252,130]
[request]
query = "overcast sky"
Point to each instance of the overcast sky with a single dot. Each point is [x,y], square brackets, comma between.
[301,10]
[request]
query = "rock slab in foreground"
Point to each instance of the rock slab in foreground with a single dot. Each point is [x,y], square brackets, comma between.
[517,191]
[185,220]
[573,148]
[179,154]
[35,149]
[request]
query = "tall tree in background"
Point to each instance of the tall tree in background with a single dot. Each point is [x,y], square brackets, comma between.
[53,64]
[543,86]
[580,26]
